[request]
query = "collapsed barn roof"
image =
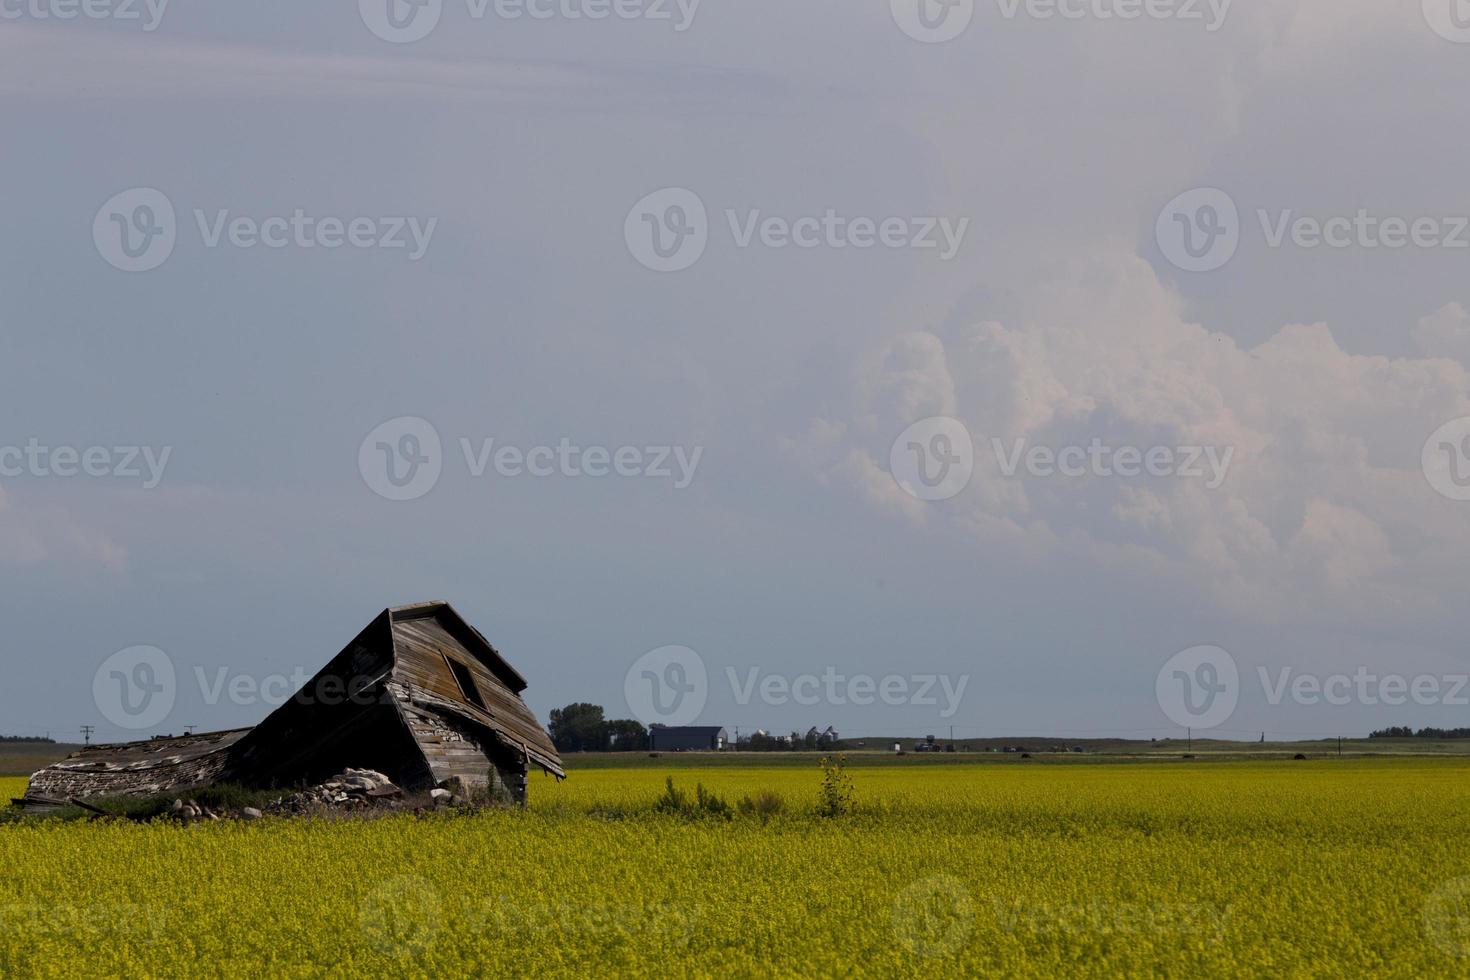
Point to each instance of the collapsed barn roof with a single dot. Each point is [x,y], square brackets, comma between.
[136,768]
[419,694]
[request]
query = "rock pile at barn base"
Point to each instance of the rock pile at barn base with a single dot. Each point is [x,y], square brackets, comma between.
[352,791]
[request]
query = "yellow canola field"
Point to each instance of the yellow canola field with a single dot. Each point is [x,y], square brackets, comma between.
[1186,869]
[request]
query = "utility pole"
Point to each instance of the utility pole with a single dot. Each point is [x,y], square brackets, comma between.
[1339,746]
[87,731]
[1190,738]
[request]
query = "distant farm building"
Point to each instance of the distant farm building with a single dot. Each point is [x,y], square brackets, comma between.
[420,695]
[827,736]
[688,739]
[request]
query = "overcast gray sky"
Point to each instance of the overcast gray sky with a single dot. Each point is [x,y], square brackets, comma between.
[528,154]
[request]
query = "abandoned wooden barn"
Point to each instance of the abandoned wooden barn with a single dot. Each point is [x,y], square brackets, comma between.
[420,695]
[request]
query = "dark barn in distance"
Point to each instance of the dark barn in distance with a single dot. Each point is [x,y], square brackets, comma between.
[696,738]
[420,695]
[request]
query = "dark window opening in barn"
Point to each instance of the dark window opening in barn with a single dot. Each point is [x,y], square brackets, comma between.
[467,683]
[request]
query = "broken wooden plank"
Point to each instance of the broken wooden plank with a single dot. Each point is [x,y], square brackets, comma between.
[88,807]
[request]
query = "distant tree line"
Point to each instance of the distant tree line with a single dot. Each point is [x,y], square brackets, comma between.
[581,727]
[795,742]
[584,727]
[28,738]
[1403,731]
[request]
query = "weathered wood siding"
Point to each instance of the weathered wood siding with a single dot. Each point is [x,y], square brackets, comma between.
[455,748]
[424,648]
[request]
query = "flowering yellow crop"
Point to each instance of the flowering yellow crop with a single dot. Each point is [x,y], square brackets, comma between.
[1210,869]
